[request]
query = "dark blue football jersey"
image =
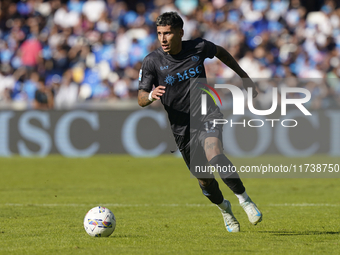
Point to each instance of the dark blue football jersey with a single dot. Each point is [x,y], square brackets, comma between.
[178,73]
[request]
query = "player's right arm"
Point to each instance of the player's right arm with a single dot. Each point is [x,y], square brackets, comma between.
[148,78]
[144,96]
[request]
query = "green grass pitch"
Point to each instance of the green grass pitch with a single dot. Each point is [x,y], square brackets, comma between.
[159,208]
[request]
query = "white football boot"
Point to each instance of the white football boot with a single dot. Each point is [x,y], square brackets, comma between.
[254,214]
[230,221]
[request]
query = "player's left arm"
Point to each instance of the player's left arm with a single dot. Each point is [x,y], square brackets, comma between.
[223,55]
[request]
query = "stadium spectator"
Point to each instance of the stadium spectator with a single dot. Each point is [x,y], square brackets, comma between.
[44,96]
[30,86]
[94,9]
[67,93]
[278,37]
[7,82]
[66,18]
[103,91]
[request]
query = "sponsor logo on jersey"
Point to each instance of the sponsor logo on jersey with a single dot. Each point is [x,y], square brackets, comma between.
[164,67]
[189,73]
[185,75]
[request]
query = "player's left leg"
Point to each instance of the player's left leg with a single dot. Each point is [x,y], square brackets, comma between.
[211,190]
[193,155]
[214,152]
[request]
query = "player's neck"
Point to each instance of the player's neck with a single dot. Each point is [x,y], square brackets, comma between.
[177,51]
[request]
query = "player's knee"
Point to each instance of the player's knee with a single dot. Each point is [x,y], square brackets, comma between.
[211,154]
[205,182]
[212,148]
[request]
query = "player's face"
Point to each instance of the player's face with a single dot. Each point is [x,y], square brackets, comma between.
[170,39]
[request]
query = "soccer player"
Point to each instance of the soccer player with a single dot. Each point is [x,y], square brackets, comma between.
[170,69]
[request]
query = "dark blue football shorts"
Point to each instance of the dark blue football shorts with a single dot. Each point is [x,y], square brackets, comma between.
[191,147]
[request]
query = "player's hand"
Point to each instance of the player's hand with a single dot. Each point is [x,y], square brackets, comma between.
[158,92]
[248,83]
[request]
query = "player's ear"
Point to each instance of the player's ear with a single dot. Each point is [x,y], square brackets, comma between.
[181,32]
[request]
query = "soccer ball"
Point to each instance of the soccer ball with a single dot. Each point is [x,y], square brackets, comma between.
[99,222]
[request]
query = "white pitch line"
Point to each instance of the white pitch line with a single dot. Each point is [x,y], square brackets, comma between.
[162,205]
[305,204]
[107,205]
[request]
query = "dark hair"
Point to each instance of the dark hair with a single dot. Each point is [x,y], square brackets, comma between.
[170,19]
[42,79]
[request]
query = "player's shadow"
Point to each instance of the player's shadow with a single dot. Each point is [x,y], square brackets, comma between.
[301,233]
[126,236]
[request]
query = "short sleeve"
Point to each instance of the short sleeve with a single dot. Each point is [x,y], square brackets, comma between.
[210,49]
[147,77]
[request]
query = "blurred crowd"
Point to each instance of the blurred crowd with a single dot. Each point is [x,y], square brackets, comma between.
[55,54]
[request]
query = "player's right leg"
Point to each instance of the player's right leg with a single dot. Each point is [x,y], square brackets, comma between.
[233,181]
[214,152]
[254,214]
